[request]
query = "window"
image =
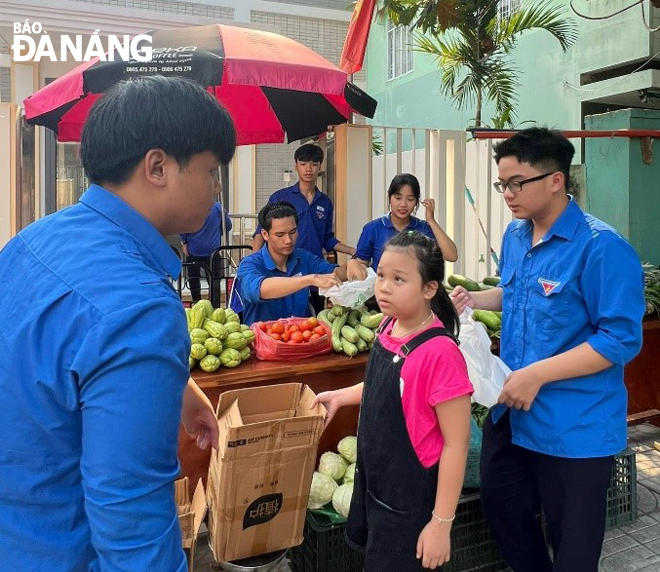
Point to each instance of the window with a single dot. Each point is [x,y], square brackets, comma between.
[506,8]
[399,50]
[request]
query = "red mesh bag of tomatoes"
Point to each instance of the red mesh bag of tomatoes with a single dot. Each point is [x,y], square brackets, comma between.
[291,339]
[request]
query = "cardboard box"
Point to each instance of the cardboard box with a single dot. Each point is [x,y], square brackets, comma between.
[259,479]
[191,515]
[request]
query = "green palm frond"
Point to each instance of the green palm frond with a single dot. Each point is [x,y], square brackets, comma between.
[545,16]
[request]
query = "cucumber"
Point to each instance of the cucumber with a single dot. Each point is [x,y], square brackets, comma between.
[361,345]
[467,283]
[365,333]
[354,318]
[491,280]
[350,334]
[336,327]
[337,310]
[323,317]
[485,287]
[349,348]
[371,322]
[490,319]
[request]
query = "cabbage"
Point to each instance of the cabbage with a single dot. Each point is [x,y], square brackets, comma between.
[347,448]
[341,499]
[332,465]
[321,492]
[349,475]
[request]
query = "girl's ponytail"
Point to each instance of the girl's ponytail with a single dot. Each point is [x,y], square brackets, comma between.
[431,268]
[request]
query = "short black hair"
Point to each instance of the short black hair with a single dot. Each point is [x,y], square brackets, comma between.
[540,147]
[402,180]
[308,152]
[153,112]
[281,209]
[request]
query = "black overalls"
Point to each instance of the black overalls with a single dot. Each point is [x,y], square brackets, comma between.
[393,493]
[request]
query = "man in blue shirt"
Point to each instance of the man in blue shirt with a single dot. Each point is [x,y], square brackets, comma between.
[274,282]
[315,211]
[199,246]
[94,360]
[572,302]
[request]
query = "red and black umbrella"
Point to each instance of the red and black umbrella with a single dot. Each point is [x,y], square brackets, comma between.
[274,88]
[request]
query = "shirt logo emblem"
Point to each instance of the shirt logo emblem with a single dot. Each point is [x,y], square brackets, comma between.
[320,212]
[548,285]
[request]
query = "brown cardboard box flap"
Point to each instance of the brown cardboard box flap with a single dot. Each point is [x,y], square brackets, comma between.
[259,478]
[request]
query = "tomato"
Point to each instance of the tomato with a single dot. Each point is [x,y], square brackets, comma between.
[305,325]
[269,331]
[278,327]
[285,336]
[314,338]
[320,330]
[313,322]
[307,334]
[276,336]
[297,337]
[293,328]
[263,327]
[291,342]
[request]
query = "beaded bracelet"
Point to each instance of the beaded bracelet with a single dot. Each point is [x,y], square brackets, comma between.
[441,520]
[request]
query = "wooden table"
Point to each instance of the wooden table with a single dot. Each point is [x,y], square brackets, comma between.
[323,373]
[642,375]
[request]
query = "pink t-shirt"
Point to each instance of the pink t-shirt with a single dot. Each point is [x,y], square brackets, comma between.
[432,373]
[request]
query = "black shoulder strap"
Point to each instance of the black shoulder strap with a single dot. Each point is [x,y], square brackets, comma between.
[425,336]
[386,322]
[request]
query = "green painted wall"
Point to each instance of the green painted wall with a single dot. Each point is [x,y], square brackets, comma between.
[546,73]
[621,189]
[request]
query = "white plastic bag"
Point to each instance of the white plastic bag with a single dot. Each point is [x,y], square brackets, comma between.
[487,372]
[352,294]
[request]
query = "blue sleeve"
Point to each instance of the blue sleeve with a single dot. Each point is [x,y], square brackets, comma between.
[228,223]
[330,241]
[365,245]
[613,289]
[132,370]
[312,264]
[250,276]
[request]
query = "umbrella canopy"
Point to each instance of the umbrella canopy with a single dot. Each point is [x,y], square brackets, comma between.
[274,88]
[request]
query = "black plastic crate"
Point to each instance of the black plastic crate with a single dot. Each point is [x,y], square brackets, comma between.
[324,549]
[473,548]
[622,494]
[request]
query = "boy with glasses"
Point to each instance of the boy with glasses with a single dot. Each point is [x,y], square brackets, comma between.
[571,296]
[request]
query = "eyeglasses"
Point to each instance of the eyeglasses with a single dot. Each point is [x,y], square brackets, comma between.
[516,186]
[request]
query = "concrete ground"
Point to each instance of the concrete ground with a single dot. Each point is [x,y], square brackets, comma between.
[631,548]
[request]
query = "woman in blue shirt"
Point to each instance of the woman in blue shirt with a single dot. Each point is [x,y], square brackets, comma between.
[404,197]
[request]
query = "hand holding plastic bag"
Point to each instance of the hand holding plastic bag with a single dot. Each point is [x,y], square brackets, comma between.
[352,294]
[487,372]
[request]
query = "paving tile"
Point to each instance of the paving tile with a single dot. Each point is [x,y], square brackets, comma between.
[643,521]
[654,546]
[620,544]
[647,534]
[631,560]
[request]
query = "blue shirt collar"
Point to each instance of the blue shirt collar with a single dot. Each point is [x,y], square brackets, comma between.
[296,189]
[270,263]
[387,222]
[148,239]
[564,227]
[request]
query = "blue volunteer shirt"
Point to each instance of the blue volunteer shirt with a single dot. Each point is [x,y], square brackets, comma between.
[205,241]
[315,219]
[93,364]
[377,232]
[256,267]
[582,283]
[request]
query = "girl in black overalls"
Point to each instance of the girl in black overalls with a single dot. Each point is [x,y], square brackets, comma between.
[401,511]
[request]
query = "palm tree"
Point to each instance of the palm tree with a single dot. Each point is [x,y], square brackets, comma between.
[471,45]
